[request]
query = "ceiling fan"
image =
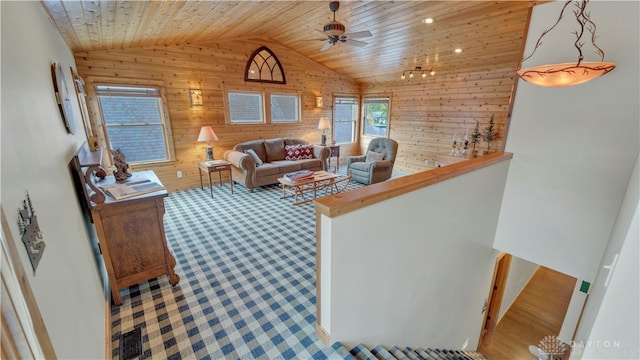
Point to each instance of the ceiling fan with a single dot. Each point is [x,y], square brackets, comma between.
[335,31]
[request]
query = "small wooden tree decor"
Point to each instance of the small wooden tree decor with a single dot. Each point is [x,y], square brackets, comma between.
[476,136]
[489,133]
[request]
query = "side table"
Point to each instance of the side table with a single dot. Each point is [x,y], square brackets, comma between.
[214,166]
[335,153]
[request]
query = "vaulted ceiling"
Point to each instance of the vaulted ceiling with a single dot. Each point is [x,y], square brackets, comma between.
[488,32]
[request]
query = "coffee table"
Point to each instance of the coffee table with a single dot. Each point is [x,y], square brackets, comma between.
[307,190]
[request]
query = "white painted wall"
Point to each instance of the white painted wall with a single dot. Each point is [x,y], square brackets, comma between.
[35,151]
[419,276]
[573,147]
[615,333]
[611,314]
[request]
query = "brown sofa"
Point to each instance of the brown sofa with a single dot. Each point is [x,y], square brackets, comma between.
[271,152]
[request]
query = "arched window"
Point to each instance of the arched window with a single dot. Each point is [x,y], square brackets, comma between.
[264,66]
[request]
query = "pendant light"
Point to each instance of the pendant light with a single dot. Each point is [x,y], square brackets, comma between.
[568,74]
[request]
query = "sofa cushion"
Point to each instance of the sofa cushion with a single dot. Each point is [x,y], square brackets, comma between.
[286,166]
[275,149]
[294,141]
[307,164]
[297,152]
[255,156]
[374,156]
[267,169]
[256,145]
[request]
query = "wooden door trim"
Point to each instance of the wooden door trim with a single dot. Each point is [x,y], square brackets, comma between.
[496,291]
[39,327]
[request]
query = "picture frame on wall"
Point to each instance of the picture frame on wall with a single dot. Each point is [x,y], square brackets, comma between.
[62,97]
[81,95]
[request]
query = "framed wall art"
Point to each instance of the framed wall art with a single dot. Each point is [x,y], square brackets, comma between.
[81,95]
[62,97]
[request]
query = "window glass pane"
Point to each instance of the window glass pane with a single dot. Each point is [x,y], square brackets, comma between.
[284,108]
[134,121]
[138,143]
[345,116]
[129,110]
[376,116]
[245,108]
[343,132]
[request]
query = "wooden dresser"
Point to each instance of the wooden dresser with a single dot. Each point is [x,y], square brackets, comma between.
[131,236]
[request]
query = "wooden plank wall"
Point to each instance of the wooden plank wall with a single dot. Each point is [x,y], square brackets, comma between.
[214,68]
[426,113]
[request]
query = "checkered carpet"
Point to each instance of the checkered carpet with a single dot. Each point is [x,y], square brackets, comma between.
[247,281]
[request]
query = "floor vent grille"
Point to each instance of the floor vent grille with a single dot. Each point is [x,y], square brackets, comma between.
[131,344]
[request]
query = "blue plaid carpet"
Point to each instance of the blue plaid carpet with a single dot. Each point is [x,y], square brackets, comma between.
[247,281]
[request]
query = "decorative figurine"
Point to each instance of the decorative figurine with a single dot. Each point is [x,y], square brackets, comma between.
[30,231]
[120,173]
[101,173]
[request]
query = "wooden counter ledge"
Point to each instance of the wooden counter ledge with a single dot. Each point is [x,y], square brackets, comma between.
[342,203]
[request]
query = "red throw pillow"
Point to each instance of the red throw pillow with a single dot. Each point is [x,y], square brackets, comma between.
[296,152]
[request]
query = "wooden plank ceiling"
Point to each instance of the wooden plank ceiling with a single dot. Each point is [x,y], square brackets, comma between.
[489,32]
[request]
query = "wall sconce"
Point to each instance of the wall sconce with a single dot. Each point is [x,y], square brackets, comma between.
[318,101]
[196,97]
[568,74]
[207,135]
[417,71]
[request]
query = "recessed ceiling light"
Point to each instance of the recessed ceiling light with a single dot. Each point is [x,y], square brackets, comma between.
[428,21]
[457,50]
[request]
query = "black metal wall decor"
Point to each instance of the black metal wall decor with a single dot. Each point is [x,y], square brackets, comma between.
[263,66]
[30,232]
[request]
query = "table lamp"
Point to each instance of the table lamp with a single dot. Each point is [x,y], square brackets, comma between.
[323,125]
[207,134]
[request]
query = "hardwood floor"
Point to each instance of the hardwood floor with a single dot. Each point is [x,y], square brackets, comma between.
[537,312]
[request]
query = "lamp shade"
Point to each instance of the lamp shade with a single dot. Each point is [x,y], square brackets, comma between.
[324,123]
[207,134]
[567,74]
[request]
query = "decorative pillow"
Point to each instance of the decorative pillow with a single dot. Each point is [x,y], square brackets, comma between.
[374,156]
[296,152]
[254,156]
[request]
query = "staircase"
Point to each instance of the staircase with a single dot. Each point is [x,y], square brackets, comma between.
[362,352]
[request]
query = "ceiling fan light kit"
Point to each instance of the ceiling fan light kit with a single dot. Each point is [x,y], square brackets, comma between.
[568,74]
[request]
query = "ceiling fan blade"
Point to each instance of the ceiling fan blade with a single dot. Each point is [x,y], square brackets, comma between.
[357,35]
[326,46]
[355,43]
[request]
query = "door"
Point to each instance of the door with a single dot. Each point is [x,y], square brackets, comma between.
[500,274]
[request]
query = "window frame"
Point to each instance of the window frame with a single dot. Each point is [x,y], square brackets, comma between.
[266,107]
[263,115]
[165,120]
[298,110]
[364,121]
[356,117]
